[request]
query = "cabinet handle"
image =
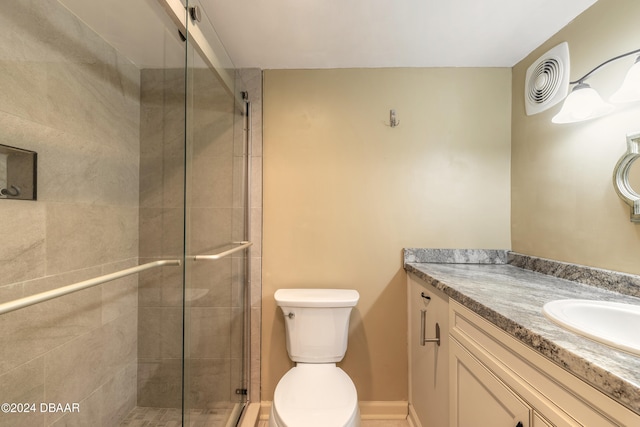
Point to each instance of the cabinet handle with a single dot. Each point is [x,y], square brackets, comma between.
[423,327]
[519,424]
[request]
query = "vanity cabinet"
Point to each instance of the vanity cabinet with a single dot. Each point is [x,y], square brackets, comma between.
[482,376]
[498,381]
[428,361]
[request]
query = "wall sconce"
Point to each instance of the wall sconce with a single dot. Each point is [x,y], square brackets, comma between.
[584,103]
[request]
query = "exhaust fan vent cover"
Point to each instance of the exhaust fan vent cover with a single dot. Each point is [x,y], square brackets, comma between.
[547,80]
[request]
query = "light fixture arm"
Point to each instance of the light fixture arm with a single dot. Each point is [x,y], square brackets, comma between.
[583,78]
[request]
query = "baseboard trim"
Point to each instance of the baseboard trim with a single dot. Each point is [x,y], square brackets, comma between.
[369,410]
[412,418]
[384,410]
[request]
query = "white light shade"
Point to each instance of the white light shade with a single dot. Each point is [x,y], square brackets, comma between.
[583,103]
[630,89]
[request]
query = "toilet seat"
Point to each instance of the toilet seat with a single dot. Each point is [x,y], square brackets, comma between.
[315,395]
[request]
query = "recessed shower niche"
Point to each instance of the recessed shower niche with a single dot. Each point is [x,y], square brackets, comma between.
[18,173]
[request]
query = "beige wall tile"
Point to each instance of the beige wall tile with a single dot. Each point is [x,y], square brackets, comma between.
[81,170]
[236,329]
[216,172]
[256,183]
[255,355]
[173,174]
[211,228]
[209,331]
[32,331]
[160,383]
[99,234]
[10,292]
[90,413]
[171,332]
[23,249]
[161,236]
[152,238]
[119,297]
[105,365]
[256,231]
[120,341]
[172,287]
[119,395]
[210,382]
[75,369]
[210,283]
[73,99]
[256,282]
[150,286]
[21,385]
[149,333]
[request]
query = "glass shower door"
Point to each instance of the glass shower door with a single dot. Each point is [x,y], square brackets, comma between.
[214,324]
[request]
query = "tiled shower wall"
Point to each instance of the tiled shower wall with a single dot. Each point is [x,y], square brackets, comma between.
[161,237]
[72,98]
[215,218]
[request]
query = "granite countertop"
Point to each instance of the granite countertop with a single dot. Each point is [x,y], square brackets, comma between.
[510,289]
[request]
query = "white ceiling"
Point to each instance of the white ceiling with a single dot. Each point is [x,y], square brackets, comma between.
[275,34]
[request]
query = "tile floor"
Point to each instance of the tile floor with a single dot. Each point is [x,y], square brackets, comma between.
[365,423]
[168,417]
[164,417]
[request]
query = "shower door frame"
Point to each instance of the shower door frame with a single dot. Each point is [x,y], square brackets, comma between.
[199,40]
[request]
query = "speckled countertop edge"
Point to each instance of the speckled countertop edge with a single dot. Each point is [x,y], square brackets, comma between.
[503,288]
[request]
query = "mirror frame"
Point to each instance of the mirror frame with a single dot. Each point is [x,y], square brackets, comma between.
[621,176]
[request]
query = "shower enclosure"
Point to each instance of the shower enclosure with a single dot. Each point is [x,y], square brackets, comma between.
[140,123]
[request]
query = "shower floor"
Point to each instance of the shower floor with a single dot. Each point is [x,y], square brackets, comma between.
[170,417]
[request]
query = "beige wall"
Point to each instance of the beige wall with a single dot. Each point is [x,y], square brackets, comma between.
[564,205]
[344,193]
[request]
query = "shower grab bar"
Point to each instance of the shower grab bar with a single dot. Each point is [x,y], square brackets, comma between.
[243,245]
[58,292]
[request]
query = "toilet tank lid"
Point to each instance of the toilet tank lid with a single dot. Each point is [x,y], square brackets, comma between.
[317,297]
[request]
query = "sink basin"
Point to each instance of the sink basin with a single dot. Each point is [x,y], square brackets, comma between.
[612,323]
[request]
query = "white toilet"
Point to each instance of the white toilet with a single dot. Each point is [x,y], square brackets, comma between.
[315,392]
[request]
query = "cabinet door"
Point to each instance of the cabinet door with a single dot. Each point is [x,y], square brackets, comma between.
[478,397]
[539,421]
[428,363]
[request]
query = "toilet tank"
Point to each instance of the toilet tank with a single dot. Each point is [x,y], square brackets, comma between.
[316,322]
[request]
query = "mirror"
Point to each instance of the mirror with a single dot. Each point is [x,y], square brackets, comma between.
[622,173]
[18,170]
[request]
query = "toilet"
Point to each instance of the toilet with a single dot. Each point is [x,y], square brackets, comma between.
[316,392]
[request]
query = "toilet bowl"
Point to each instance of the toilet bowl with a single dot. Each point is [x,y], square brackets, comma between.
[315,395]
[316,392]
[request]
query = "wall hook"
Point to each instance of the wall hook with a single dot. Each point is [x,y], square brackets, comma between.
[393,119]
[12,192]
